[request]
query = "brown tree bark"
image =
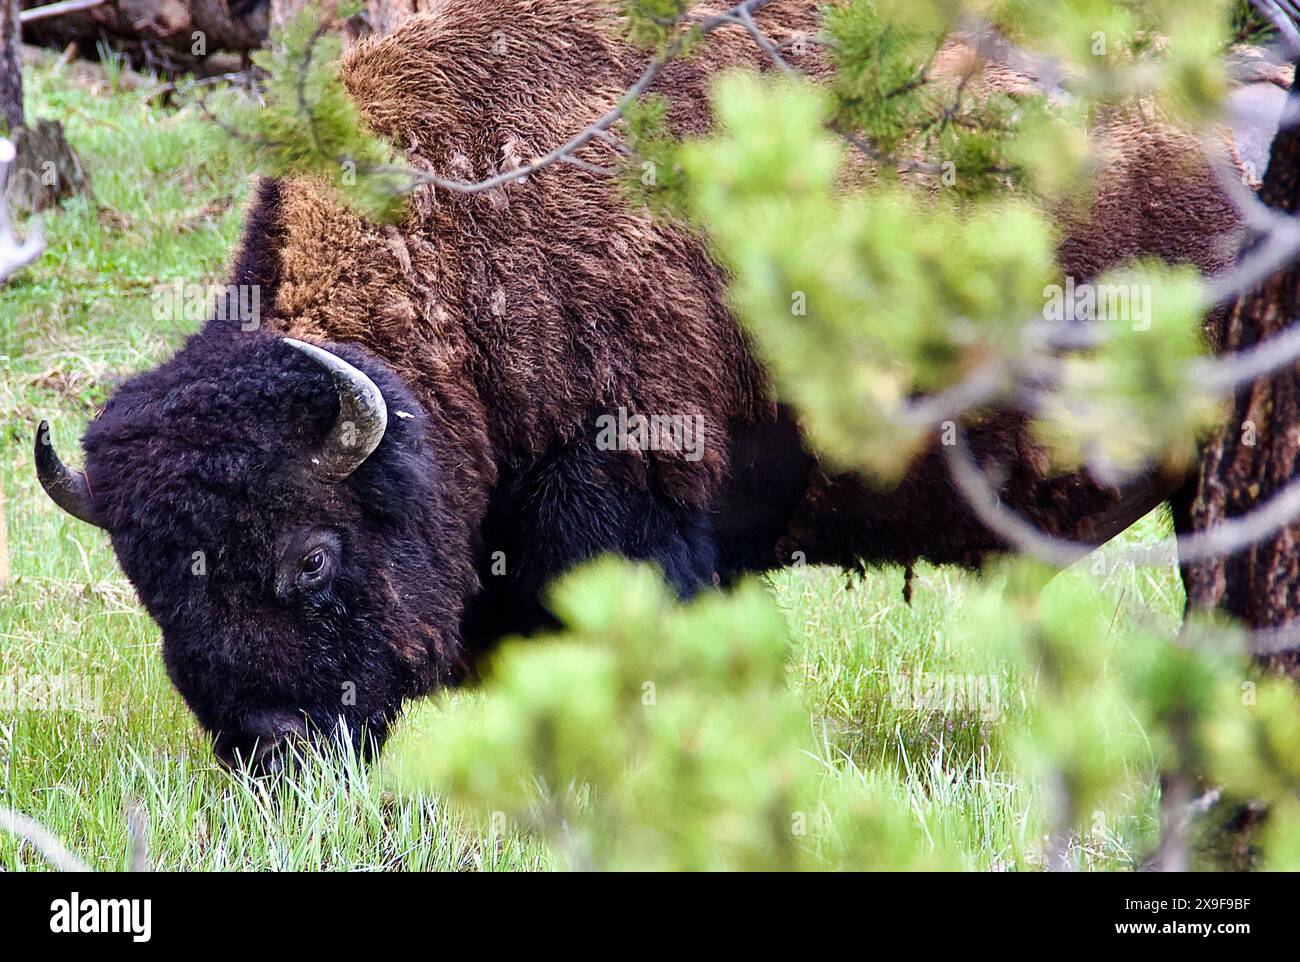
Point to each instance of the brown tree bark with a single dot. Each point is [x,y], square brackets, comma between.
[11,118]
[1257,452]
[47,169]
[11,76]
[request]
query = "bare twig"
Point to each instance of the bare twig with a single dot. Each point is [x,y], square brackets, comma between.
[1282,19]
[1278,248]
[137,828]
[978,388]
[868,150]
[1229,536]
[41,839]
[14,255]
[747,21]
[1232,640]
[588,167]
[58,9]
[1225,373]
[742,14]
[563,153]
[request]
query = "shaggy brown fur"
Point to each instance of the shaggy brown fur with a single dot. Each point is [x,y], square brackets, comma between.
[507,311]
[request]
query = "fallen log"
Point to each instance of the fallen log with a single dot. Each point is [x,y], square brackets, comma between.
[175,35]
[159,34]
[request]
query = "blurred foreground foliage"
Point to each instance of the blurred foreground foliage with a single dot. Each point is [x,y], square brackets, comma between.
[305,124]
[650,735]
[864,291]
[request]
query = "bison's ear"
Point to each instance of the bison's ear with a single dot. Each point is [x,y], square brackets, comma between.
[68,489]
[362,420]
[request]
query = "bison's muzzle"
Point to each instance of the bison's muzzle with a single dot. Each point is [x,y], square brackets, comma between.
[266,744]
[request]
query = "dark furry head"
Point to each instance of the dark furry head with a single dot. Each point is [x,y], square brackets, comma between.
[286,603]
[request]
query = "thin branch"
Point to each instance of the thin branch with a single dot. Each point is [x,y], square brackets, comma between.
[14,255]
[743,17]
[871,153]
[615,142]
[1232,640]
[137,829]
[1277,249]
[980,387]
[57,9]
[1283,20]
[588,167]
[41,839]
[704,26]
[766,45]
[1228,537]
[1227,372]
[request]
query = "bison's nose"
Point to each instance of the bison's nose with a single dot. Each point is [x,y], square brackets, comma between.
[263,744]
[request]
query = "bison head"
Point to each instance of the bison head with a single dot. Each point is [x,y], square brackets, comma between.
[275,504]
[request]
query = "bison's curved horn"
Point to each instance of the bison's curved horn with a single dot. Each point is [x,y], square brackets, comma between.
[362,420]
[66,488]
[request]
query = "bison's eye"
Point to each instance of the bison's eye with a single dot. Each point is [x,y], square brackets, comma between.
[312,567]
[308,559]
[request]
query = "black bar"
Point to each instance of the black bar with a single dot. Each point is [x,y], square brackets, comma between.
[299,911]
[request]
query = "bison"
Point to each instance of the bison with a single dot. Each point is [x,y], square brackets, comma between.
[339,510]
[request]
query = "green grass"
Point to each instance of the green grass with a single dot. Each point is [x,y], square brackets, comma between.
[167,203]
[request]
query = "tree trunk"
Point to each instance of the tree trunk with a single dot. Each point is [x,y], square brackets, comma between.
[11,75]
[47,168]
[1257,452]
